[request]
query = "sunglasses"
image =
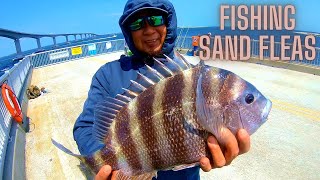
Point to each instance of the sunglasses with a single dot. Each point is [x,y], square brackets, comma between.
[152,21]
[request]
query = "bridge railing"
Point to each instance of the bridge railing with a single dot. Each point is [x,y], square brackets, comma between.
[187,44]
[18,77]
[15,78]
[76,52]
[277,53]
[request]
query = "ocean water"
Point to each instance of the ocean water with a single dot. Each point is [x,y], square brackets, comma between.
[8,61]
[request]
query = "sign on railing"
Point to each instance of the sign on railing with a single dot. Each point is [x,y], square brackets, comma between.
[59,55]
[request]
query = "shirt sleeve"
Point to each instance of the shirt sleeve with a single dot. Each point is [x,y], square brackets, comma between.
[82,131]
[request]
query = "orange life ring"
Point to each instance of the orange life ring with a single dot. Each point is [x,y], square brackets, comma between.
[11,102]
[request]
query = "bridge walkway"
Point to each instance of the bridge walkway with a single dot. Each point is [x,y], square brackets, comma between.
[285,147]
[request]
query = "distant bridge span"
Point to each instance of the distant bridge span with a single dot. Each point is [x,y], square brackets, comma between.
[16,36]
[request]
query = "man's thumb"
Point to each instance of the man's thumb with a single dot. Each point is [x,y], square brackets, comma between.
[104,173]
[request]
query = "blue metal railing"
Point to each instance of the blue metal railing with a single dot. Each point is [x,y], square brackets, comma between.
[15,78]
[17,75]
[277,52]
[187,44]
[67,54]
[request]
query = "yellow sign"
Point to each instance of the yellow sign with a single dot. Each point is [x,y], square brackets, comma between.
[76,51]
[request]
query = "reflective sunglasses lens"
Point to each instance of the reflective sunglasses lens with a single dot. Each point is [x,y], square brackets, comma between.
[155,20]
[136,25]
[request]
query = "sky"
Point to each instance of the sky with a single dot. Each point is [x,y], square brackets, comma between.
[101,17]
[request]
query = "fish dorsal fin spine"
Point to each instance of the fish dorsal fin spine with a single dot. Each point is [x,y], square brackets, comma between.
[139,86]
[184,61]
[113,106]
[145,79]
[104,114]
[116,101]
[157,73]
[132,93]
[106,111]
[112,111]
[166,69]
[123,98]
[174,63]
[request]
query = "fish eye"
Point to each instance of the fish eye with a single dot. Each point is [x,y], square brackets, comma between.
[249,98]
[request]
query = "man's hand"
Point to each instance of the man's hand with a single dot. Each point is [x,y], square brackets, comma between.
[106,173]
[223,154]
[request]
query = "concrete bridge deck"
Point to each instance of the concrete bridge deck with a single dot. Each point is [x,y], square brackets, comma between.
[287,146]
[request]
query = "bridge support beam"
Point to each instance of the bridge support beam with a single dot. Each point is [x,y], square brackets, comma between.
[18,46]
[67,39]
[75,37]
[38,43]
[54,41]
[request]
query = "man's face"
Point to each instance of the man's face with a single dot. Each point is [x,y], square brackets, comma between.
[149,39]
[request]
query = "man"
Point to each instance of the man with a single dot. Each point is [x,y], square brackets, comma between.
[195,44]
[149,28]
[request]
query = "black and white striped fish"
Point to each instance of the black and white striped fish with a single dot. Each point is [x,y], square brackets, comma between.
[163,119]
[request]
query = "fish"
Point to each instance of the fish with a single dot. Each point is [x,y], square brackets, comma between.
[162,120]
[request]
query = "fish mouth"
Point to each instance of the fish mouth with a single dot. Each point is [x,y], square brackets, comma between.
[266,111]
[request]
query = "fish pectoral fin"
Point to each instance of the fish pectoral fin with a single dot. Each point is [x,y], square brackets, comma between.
[64,149]
[185,166]
[202,109]
[210,117]
[191,128]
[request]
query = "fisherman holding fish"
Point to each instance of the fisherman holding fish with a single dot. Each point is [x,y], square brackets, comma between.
[150,30]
